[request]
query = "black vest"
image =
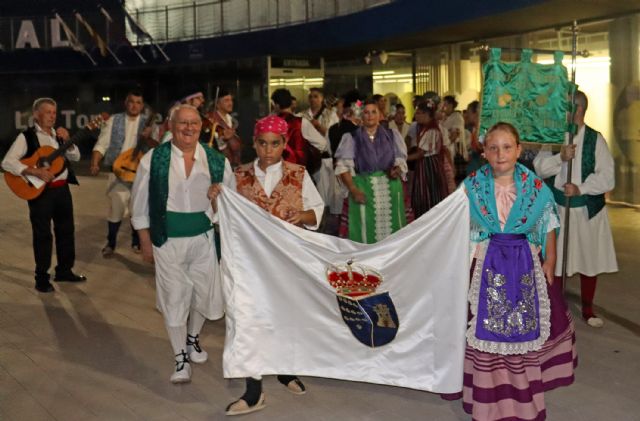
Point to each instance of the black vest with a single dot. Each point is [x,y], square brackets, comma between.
[32,146]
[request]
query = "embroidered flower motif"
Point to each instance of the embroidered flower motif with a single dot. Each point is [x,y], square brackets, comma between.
[524,176]
[524,219]
[473,174]
[537,183]
[484,210]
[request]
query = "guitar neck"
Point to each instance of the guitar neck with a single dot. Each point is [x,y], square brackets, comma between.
[146,140]
[66,145]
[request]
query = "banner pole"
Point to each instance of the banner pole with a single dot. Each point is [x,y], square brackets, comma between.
[572,130]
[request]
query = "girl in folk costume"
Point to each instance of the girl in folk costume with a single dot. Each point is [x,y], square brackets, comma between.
[370,162]
[521,338]
[286,191]
[429,180]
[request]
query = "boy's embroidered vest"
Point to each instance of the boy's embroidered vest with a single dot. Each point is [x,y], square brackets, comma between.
[117,136]
[286,195]
[594,203]
[159,187]
[33,144]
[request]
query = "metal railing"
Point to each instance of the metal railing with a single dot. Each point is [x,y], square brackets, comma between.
[223,17]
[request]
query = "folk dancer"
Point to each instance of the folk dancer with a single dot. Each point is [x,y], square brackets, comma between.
[591,250]
[174,220]
[286,191]
[371,161]
[521,338]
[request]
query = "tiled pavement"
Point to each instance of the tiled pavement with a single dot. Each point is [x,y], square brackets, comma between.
[98,351]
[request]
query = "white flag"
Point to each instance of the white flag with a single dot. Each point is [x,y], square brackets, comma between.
[285,317]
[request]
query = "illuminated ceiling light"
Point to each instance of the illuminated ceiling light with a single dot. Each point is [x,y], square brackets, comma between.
[399,75]
[383,56]
[383,72]
[583,62]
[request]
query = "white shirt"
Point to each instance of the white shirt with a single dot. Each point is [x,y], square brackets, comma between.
[226,118]
[455,121]
[429,142]
[314,137]
[346,147]
[591,250]
[601,181]
[311,199]
[327,119]
[11,162]
[185,194]
[405,128]
[130,137]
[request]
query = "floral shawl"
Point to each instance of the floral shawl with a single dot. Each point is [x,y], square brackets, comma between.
[531,214]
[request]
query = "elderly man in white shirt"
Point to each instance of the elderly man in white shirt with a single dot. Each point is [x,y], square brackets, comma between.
[590,250]
[54,204]
[174,219]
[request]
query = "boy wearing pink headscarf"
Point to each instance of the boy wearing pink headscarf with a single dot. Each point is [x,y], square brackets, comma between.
[286,191]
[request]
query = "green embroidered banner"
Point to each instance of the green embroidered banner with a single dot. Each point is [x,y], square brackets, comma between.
[533,97]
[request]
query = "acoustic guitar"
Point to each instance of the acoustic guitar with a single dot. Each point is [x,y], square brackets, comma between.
[29,187]
[126,164]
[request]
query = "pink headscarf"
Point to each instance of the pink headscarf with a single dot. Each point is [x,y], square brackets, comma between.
[271,124]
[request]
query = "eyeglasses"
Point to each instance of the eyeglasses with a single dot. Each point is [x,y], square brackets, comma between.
[187,123]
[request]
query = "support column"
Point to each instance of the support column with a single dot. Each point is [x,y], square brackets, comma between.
[624,50]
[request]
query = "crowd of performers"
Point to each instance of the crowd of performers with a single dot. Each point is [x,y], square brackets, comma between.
[347,168]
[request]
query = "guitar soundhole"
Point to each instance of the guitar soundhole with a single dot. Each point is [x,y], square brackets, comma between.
[43,163]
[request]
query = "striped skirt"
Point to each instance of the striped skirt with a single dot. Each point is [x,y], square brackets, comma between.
[511,387]
[429,185]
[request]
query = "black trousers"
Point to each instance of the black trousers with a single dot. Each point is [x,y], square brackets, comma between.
[53,205]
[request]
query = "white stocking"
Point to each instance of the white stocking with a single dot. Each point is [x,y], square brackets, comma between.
[178,338]
[195,323]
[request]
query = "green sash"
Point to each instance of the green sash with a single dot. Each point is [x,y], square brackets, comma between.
[382,214]
[187,224]
[594,203]
[159,188]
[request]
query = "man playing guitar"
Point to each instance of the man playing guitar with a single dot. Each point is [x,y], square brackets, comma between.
[120,134]
[55,203]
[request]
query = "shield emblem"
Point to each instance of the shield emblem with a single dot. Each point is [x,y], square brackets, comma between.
[372,319]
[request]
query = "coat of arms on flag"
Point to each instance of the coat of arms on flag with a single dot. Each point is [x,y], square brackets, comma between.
[370,315]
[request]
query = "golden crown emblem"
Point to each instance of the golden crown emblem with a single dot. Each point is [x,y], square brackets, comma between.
[353,280]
